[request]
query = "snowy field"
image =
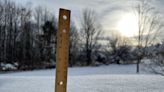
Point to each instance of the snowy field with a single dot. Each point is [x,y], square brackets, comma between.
[112,78]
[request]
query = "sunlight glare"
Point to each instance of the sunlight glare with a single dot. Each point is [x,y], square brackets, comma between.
[128,25]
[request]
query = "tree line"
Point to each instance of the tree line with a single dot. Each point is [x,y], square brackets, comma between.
[28,38]
[26,35]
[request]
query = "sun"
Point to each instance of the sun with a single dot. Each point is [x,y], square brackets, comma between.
[128,25]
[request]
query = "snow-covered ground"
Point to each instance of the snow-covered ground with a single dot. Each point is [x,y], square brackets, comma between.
[112,78]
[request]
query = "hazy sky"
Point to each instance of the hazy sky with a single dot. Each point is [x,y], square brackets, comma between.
[109,11]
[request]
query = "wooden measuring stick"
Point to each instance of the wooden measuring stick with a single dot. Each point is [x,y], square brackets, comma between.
[62,55]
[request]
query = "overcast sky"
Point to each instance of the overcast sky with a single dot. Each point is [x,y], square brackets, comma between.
[109,11]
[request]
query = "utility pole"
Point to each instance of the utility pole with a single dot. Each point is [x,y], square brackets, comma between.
[62,55]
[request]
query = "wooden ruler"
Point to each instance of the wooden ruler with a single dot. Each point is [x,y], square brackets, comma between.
[62,55]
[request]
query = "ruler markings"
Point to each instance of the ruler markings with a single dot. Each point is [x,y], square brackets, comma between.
[62,51]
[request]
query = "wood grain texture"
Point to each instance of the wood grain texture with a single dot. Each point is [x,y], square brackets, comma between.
[62,55]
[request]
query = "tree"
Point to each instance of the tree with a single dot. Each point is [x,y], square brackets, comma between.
[149,26]
[9,18]
[20,30]
[74,44]
[50,33]
[25,42]
[38,15]
[117,45]
[90,31]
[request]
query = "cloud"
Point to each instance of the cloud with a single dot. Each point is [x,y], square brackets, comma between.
[109,11]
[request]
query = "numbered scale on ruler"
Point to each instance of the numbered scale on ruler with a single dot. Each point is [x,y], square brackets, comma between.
[62,56]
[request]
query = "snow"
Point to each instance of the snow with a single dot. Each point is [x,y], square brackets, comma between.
[7,66]
[112,78]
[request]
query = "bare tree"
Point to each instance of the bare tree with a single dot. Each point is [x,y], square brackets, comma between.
[25,40]
[8,30]
[38,15]
[90,31]
[74,44]
[114,46]
[149,26]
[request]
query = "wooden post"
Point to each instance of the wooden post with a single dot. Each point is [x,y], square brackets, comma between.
[62,55]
